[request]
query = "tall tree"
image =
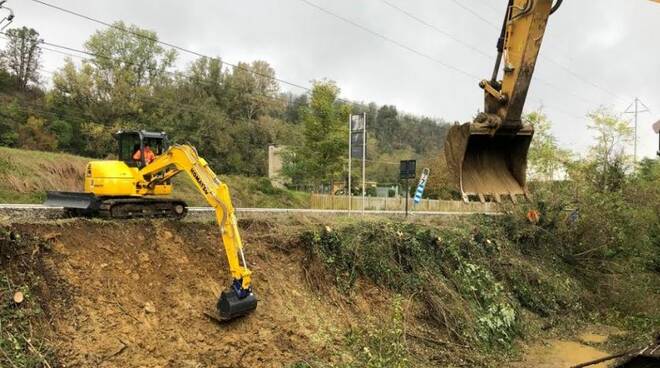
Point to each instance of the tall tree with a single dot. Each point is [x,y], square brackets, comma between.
[253,91]
[123,57]
[118,82]
[545,157]
[21,55]
[387,127]
[114,87]
[608,157]
[321,156]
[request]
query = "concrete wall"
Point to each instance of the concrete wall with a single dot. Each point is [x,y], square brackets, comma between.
[275,164]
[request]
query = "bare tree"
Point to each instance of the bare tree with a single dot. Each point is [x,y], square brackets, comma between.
[21,55]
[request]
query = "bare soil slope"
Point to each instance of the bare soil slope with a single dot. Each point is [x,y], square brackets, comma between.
[135,294]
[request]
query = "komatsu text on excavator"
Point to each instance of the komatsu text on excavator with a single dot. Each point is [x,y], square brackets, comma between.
[488,157]
[134,186]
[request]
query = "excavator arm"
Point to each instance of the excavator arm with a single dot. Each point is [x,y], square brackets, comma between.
[238,299]
[488,157]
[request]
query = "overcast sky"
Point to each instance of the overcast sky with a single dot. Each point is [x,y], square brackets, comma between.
[603,52]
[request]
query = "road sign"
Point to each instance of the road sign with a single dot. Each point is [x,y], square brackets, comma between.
[407,169]
[357,144]
[357,147]
[358,122]
[422,184]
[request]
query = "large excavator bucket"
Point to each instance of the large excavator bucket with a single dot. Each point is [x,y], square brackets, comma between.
[486,165]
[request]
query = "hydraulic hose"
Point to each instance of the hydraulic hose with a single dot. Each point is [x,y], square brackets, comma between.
[500,43]
[556,6]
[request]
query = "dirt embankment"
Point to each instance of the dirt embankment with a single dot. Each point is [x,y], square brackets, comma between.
[331,294]
[135,294]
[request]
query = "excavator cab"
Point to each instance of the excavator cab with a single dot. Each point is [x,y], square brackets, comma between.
[132,146]
[487,158]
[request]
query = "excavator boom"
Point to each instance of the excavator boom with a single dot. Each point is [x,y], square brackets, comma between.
[238,299]
[136,186]
[488,157]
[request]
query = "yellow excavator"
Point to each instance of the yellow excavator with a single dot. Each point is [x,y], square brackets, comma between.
[487,158]
[135,186]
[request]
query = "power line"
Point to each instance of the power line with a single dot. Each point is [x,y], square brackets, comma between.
[389,40]
[480,52]
[476,14]
[170,45]
[444,33]
[562,66]
[487,4]
[426,56]
[374,33]
[173,74]
[184,106]
[176,47]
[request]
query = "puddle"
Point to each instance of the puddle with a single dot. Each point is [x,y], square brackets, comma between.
[593,338]
[564,353]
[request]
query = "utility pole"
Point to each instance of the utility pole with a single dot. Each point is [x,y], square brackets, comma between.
[656,129]
[350,161]
[636,111]
[8,18]
[364,160]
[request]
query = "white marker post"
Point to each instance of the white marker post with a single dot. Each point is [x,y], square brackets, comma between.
[350,161]
[364,158]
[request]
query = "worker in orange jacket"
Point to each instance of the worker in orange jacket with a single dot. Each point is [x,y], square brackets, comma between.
[149,155]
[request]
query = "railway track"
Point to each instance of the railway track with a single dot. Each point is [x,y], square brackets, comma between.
[38,207]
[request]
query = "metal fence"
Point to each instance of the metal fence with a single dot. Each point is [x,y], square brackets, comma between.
[330,202]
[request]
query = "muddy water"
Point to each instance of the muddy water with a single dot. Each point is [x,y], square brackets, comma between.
[560,353]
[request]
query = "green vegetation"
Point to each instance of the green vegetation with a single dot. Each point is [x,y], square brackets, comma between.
[21,342]
[484,282]
[230,114]
[324,144]
[380,345]
[26,175]
[246,192]
[436,264]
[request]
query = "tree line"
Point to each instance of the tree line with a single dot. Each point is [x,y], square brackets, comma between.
[232,113]
[127,80]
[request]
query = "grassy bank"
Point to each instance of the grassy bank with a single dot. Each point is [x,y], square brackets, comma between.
[25,176]
[444,292]
[480,286]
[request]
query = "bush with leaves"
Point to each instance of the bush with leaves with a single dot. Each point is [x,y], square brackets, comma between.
[433,264]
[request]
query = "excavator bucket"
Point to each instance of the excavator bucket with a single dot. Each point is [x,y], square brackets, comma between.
[230,306]
[486,165]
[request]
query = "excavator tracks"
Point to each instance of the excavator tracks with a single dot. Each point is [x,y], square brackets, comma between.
[129,208]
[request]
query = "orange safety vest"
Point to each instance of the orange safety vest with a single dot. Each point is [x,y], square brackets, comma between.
[148,155]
